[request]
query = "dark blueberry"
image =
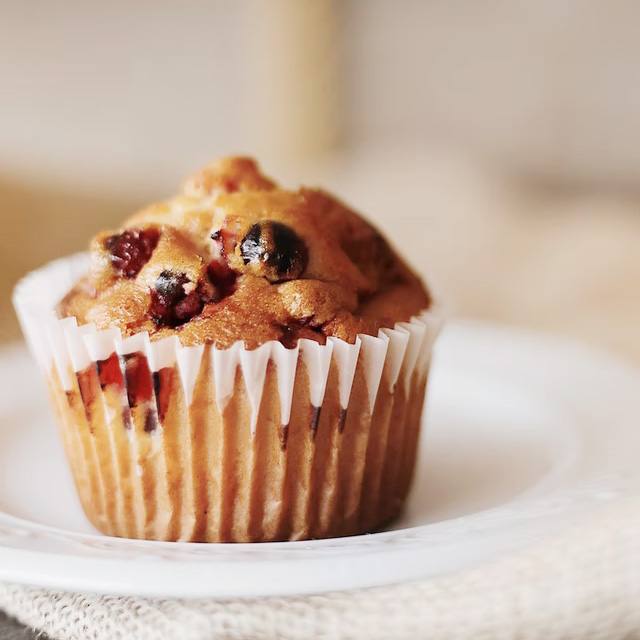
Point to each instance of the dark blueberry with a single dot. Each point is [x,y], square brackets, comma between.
[315,419]
[342,419]
[283,434]
[166,293]
[170,285]
[273,250]
[162,385]
[252,247]
[131,250]
[150,421]
[171,304]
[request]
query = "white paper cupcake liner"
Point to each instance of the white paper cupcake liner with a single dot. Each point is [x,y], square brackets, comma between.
[392,364]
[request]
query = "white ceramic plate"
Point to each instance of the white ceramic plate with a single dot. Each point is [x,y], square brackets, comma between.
[525,434]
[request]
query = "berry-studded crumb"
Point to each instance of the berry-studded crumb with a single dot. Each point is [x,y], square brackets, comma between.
[172,303]
[236,258]
[131,250]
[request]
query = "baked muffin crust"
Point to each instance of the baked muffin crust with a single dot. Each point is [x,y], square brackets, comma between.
[235,257]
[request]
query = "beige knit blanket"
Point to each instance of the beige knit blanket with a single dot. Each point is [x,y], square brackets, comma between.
[584,583]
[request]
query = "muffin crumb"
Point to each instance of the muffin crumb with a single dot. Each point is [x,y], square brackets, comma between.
[235,257]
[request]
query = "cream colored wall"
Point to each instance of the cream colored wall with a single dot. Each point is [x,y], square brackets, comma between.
[104,90]
[140,92]
[144,90]
[547,86]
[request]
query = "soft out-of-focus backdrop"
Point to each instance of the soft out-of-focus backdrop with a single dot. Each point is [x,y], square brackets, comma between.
[497,143]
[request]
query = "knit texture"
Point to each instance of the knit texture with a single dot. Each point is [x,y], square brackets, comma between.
[583,584]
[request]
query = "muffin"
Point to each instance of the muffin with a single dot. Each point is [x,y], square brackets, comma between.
[240,363]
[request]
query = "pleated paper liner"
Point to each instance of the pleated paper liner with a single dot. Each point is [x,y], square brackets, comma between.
[167,442]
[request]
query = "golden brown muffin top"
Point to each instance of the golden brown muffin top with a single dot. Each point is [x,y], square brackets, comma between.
[237,258]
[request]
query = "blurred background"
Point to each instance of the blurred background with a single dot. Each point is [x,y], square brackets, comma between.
[496,142]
